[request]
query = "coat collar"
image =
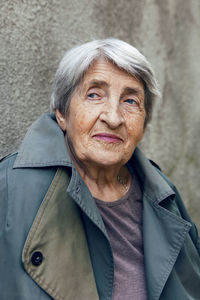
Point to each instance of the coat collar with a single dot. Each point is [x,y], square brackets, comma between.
[43,146]
[154,185]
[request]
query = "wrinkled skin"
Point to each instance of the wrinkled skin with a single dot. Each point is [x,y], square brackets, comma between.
[105,120]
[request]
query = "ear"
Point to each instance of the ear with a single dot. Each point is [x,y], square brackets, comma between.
[62,122]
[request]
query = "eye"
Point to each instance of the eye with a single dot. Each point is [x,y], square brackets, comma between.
[93,96]
[131,101]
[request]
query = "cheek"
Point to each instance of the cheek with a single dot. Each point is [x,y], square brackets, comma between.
[80,121]
[76,120]
[80,125]
[85,119]
[135,129]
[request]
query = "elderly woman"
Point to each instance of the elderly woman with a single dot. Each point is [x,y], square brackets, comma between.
[84,214]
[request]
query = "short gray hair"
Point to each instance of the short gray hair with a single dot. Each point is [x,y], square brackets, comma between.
[76,62]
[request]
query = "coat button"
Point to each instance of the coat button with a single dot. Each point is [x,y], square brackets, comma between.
[37,258]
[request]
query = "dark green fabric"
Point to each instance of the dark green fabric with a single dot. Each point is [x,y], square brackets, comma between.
[171,244]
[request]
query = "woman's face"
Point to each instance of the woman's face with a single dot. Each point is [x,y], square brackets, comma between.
[105,120]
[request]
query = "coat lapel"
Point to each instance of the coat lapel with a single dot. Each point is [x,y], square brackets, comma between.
[63,267]
[164,231]
[164,234]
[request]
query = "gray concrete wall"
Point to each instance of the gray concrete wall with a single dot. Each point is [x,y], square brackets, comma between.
[35,34]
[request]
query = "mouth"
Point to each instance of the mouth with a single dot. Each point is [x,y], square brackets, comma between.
[107,137]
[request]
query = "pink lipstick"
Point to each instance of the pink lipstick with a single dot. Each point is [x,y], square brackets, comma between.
[107,137]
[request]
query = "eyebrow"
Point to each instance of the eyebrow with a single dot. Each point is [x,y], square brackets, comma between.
[99,83]
[129,90]
[126,90]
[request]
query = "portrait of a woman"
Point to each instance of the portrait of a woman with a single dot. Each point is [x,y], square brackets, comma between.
[84,214]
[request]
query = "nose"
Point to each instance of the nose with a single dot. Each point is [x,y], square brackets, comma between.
[112,115]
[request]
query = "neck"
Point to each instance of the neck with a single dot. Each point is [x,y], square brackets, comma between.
[105,183]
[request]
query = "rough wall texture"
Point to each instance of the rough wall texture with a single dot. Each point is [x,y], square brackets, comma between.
[34,34]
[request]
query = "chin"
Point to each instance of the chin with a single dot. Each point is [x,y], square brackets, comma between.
[103,159]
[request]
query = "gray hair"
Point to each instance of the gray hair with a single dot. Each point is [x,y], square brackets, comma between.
[76,62]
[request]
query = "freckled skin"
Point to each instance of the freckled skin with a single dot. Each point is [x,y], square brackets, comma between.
[109,101]
[87,117]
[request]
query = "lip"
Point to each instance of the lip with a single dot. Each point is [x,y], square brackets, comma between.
[107,137]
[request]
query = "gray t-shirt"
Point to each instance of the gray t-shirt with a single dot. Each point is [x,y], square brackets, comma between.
[123,222]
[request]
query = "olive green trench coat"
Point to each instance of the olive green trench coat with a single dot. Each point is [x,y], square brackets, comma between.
[53,243]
